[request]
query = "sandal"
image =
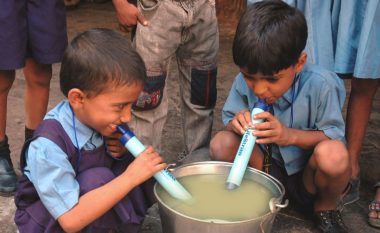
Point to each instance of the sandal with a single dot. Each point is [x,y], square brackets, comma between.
[374,206]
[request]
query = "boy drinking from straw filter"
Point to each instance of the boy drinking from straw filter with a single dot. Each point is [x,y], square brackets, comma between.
[72,181]
[305,125]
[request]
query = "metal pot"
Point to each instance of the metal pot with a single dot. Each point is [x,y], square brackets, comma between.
[174,222]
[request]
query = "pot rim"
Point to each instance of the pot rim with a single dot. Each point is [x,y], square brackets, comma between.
[276,182]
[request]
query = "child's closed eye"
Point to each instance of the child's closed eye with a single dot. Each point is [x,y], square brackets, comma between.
[272,79]
[120,107]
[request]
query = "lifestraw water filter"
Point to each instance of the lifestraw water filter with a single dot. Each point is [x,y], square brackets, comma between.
[164,177]
[245,150]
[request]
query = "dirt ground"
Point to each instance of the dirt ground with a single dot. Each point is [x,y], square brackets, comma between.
[89,15]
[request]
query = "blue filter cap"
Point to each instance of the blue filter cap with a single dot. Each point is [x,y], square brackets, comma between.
[262,105]
[127,134]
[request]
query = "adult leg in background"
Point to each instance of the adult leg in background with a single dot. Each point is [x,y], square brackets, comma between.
[358,113]
[36,97]
[8,177]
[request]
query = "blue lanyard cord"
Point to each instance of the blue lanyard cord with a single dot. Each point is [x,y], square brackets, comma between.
[77,144]
[291,104]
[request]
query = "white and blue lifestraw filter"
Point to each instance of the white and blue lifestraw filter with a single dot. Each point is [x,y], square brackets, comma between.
[164,177]
[245,149]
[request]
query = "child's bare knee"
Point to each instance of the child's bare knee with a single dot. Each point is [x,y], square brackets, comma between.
[222,146]
[332,157]
[215,146]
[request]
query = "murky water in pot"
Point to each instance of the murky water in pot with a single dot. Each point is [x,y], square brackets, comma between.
[212,201]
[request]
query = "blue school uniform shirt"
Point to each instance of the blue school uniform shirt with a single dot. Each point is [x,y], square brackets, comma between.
[343,35]
[317,98]
[53,176]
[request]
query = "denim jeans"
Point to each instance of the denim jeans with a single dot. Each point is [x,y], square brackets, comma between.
[188,30]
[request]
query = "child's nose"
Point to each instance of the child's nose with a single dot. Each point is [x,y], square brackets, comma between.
[260,88]
[126,115]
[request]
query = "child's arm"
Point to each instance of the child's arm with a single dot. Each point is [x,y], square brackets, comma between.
[95,203]
[273,131]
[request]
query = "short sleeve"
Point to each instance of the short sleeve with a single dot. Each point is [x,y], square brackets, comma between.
[329,117]
[239,98]
[53,176]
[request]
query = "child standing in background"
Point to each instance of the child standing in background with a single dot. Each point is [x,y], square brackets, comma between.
[188,31]
[72,181]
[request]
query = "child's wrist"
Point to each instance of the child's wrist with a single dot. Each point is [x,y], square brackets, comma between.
[292,137]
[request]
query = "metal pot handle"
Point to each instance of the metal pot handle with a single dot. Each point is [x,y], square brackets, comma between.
[171,167]
[275,204]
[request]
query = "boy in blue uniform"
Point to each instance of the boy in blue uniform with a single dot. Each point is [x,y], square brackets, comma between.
[72,181]
[306,126]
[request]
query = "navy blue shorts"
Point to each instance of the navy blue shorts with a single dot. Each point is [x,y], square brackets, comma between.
[31,28]
[295,189]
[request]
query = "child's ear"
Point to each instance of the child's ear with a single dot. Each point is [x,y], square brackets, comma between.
[301,62]
[75,97]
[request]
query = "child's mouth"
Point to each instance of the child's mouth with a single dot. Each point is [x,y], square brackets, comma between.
[270,100]
[113,127]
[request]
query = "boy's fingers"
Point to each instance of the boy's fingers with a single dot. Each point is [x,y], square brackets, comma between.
[141,19]
[238,127]
[264,133]
[264,141]
[161,166]
[263,115]
[149,149]
[244,119]
[115,136]
[263,126]
[157,160]
[112,142]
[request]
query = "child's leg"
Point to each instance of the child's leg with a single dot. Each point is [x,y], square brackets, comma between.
[6,80]
[224,145]
[127,215]
[358,113]
[327,173]
[197,67]
[156,45]
[37,78]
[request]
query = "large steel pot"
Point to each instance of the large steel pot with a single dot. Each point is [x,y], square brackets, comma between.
[174,222]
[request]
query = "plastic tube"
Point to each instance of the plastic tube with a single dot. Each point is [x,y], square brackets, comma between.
[245,150]
[164,177]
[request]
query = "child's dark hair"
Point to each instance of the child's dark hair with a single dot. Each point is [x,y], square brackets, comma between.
[98,58]
[270,37]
